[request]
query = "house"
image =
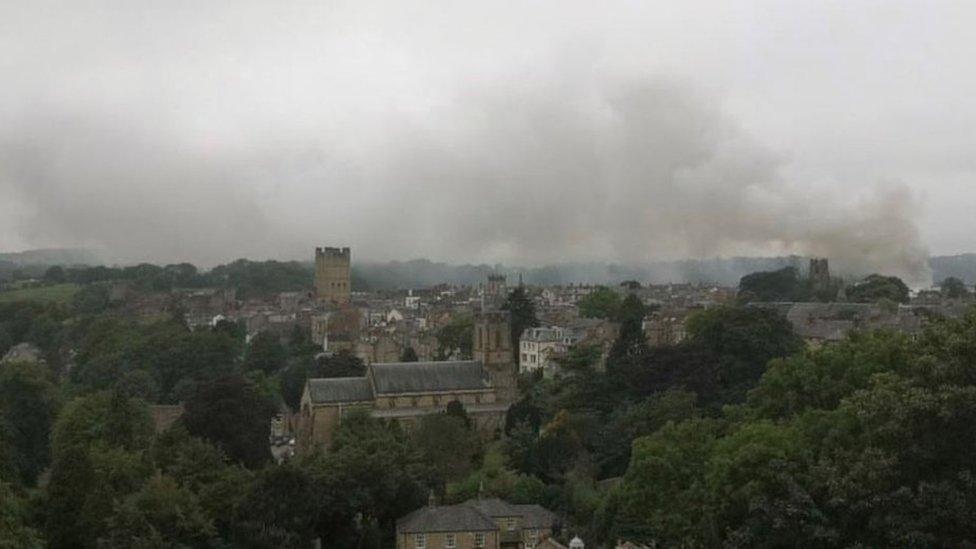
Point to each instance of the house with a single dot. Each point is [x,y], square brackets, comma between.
[476,524]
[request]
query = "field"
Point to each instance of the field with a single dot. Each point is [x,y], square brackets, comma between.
[61,293]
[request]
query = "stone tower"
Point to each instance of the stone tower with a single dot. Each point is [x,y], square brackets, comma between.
[332,267]
[495,291]
[493,348]
[819,274]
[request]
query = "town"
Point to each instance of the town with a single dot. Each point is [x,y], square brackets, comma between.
[495,415]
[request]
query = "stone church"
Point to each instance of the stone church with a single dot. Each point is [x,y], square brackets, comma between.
[406,391]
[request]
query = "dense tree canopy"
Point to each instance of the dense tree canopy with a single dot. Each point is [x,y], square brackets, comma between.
[603,302]
[877,287]
[521,312]
[954,288]
[781,285]
[232,413]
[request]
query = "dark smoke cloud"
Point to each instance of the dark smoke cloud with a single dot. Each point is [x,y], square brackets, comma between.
[579,167]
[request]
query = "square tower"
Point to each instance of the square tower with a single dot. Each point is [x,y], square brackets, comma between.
[493,348]
[332,275]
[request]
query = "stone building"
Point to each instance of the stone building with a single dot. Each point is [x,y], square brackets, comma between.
[332,275]
[493,349]
[400,391]
[476,524]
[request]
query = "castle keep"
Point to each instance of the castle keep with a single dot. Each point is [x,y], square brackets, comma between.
[332,275]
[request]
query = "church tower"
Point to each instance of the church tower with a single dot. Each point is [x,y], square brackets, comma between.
[493,348]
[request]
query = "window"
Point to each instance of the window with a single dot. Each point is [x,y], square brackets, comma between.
[525,357]
[531,538]
[420,541]
[479,541]
[510,524]
[450,541]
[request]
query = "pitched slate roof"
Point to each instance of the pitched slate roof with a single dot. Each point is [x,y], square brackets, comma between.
[428,377]
[448,518]
[536,516]
[494,508]
[474,515]
[339,389]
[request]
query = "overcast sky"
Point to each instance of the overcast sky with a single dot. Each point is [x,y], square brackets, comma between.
[514,131]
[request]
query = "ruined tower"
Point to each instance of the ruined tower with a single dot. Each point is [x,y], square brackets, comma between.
[493,348]
[332,275]
[819,274]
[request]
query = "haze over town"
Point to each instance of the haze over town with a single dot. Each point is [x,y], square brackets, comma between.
[490,132]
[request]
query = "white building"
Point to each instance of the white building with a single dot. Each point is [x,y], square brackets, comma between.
[538,347]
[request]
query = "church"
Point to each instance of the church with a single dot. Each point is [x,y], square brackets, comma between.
[406,391]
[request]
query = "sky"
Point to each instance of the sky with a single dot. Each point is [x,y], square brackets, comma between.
[525,132]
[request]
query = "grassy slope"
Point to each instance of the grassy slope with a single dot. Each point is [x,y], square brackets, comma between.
[58,292]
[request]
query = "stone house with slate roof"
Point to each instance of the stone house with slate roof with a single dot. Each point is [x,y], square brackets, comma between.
[476,524]
[407,391]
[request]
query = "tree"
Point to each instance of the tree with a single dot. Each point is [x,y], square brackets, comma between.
[54,275]
[370,477]
[232,414]
[265,353]
[954,288]
[781,285]
[91,299]
[161,513]
[29,403]
[877,287]
[601,303]
[99,456]
[14,531]
[521,311]
[409,355]
[631,344]
[447,444]
[663,498]
[280,509]
[456,337]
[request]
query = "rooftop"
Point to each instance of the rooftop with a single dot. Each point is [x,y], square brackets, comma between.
[428,377]
[339,389]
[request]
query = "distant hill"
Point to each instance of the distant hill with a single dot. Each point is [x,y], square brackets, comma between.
[420,273]
[51,256]
[961,266]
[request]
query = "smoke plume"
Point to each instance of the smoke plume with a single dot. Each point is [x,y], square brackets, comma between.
[236,151]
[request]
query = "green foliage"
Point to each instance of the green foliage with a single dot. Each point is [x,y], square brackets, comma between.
[28,407]
[631,344]
[58,294]
[409,355]
[265,353]
[954,288]
[521,312]
[280,509]
[456,337]
[235,416]
[369,478]
[781,285]
[876,287]
[91,299]
[160,514]
[448,444]
[15,533]
[866,443]
[99,447]
[601,303]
